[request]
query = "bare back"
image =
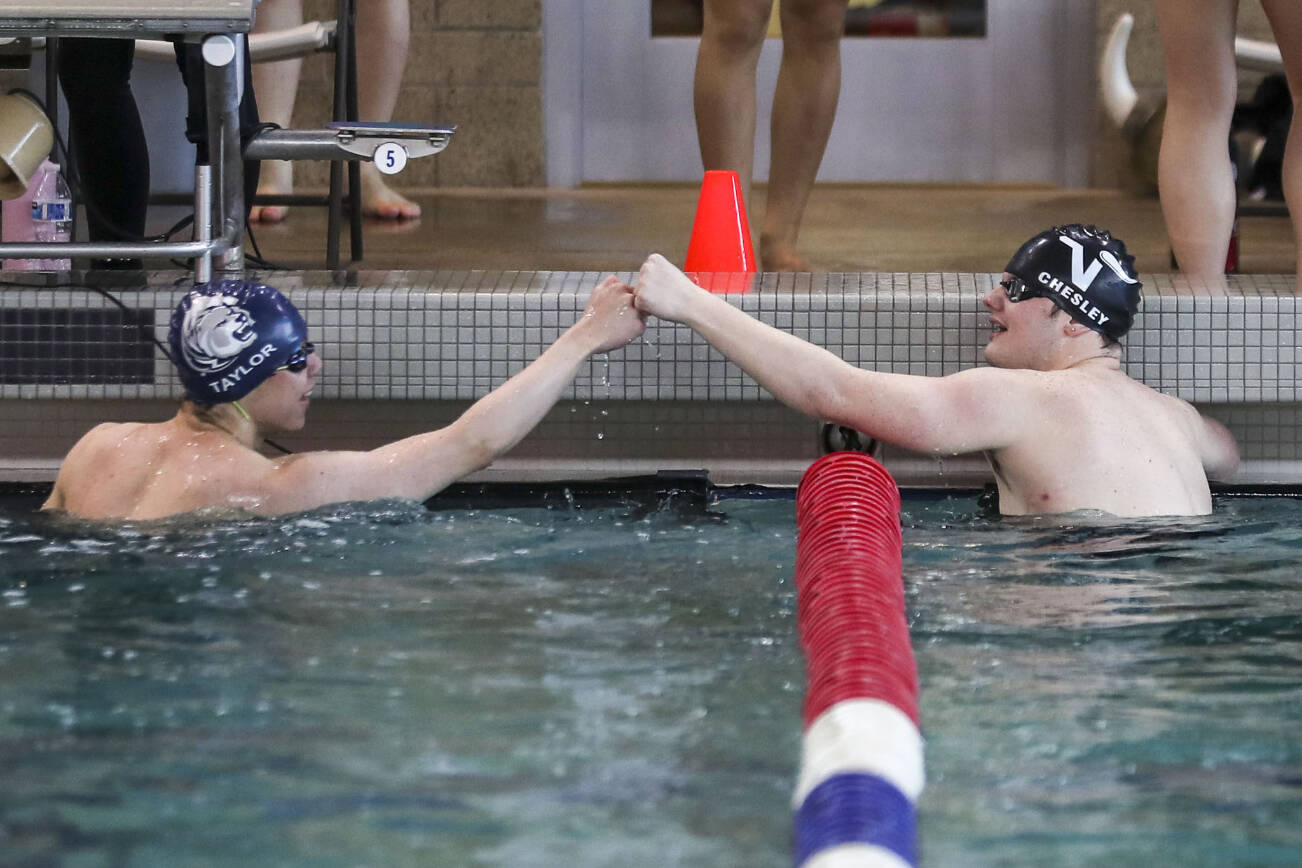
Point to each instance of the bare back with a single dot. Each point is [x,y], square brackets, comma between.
[141,471]
[1106,442]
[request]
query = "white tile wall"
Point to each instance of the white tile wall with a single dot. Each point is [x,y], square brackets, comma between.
[453,336]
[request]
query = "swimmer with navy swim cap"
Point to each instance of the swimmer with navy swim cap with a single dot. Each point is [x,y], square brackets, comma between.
[228,337]
[241,350]
[1060,423]
[1084,271]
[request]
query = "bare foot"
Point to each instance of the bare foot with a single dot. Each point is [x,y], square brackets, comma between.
[267,213]
[275,179]
[781,257]
[382,201]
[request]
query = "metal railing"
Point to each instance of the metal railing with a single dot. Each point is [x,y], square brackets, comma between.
[219,26]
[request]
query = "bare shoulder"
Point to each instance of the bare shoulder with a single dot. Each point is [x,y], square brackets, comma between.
[104,436]
[1178,407]
[1213,442]
[89,454]
[998,384]
[306,480]
[986,377]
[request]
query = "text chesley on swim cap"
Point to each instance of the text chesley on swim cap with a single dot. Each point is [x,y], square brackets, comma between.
[1102,295]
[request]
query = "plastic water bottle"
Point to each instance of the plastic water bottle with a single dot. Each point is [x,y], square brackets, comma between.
[52,213]
[16,215]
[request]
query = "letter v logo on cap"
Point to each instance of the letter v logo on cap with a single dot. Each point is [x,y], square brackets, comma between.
[1081,276]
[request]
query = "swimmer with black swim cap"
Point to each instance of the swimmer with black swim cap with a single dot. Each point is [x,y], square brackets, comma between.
[1084,271]
[1080,271]
[1062,425]
[242,354]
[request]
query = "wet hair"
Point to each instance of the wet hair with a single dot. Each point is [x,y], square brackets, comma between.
[202,411]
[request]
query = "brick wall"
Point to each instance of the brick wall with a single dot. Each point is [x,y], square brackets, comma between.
[472,63]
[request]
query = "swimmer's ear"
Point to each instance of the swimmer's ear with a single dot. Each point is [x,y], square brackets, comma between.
[1074,328]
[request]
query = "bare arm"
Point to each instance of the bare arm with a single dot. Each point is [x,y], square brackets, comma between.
[419,466]
[1220,454]
[973,410]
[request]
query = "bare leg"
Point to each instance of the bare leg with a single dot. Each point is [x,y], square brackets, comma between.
[1286,20]
[1194,177]
[383,34]
[724,99]
[804,107]
[276,86]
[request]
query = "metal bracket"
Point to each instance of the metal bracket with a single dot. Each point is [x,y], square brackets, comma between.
[348,140]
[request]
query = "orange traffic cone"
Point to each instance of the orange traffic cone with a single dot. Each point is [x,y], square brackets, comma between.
[719,255]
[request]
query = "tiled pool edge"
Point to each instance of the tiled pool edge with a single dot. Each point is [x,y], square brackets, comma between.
[415,346]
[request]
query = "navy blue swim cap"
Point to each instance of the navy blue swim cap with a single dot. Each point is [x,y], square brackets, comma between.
[1084,271]
[228,337]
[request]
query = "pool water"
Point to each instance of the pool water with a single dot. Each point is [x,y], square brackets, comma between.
[383,685]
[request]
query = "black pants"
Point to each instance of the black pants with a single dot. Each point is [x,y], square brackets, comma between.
[108,141]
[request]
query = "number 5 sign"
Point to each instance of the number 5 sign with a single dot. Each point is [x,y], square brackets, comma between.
[390,158]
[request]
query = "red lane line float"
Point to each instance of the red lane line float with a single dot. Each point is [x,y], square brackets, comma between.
[861,756]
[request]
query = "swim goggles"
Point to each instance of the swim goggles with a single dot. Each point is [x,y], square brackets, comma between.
[298,361]
[1019,290]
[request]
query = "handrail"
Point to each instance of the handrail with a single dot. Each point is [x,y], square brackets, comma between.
[306,38]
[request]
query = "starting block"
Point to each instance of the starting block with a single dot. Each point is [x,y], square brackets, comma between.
[353,140]
[219,199]
[125,18]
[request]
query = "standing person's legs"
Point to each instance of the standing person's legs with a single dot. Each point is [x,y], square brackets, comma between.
[276,85]
[1286,20]
[804,107]
[383,35]
[1195,180]
[107,138]
[724,90]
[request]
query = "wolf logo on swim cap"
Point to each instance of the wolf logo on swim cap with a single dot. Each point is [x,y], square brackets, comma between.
[1085,272]
[215,330]
[228,337]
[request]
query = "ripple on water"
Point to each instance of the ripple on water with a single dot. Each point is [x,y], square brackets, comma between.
[537,686]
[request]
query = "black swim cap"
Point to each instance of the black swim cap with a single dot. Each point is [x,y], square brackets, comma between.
[1084,271]
[228,337]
